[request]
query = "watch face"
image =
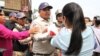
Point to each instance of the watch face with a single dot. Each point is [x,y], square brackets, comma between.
[2,49]
[52,33]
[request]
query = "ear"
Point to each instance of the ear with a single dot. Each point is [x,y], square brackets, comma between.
[38,11]
[66,22]
[64,18]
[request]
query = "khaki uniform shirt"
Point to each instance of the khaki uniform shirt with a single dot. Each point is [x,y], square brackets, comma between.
[41,43]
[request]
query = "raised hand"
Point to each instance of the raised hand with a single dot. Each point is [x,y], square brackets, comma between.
[33,30]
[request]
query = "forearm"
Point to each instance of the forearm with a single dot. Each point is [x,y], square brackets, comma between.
[8,34]
[41,37]
[25,41]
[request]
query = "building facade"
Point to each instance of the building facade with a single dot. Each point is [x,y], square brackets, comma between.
[16,4]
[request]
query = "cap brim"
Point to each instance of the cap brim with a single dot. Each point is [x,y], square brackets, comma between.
[22,17]
[50,7]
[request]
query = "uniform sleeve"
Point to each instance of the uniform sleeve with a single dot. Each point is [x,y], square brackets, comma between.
[8,34]
[26,40]
[41,37]
[55,41]
[60,41]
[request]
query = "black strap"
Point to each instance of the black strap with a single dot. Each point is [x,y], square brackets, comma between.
[95,35]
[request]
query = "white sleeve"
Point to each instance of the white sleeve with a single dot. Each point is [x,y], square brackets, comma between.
[25,41]
[41,36]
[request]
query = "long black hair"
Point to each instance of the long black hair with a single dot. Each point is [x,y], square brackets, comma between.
[97,20]
[74,14]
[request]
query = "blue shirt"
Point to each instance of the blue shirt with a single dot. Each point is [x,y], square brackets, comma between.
[62,41]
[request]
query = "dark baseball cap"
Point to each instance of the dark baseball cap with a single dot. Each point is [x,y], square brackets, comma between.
[20,15]
[12,14]
[1,11]
[58,11]
[45,5]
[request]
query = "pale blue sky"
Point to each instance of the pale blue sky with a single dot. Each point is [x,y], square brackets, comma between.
[90,7]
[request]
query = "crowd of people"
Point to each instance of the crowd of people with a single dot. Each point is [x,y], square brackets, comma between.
[72,34]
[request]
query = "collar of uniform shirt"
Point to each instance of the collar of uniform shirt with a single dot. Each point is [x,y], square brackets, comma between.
[44,19]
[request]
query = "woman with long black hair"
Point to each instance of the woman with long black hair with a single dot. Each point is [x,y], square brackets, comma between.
[75,39]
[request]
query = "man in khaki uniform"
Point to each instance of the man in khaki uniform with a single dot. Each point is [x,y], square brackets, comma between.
[41,44]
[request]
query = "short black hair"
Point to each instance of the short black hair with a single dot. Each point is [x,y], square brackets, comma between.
[87,18]
[1,7]
[97,20]
[59,15]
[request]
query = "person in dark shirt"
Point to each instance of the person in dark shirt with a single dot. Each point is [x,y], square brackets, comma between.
[18,47]
[10,24]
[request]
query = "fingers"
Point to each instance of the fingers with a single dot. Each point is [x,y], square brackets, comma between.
[46,30]
[34,30]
